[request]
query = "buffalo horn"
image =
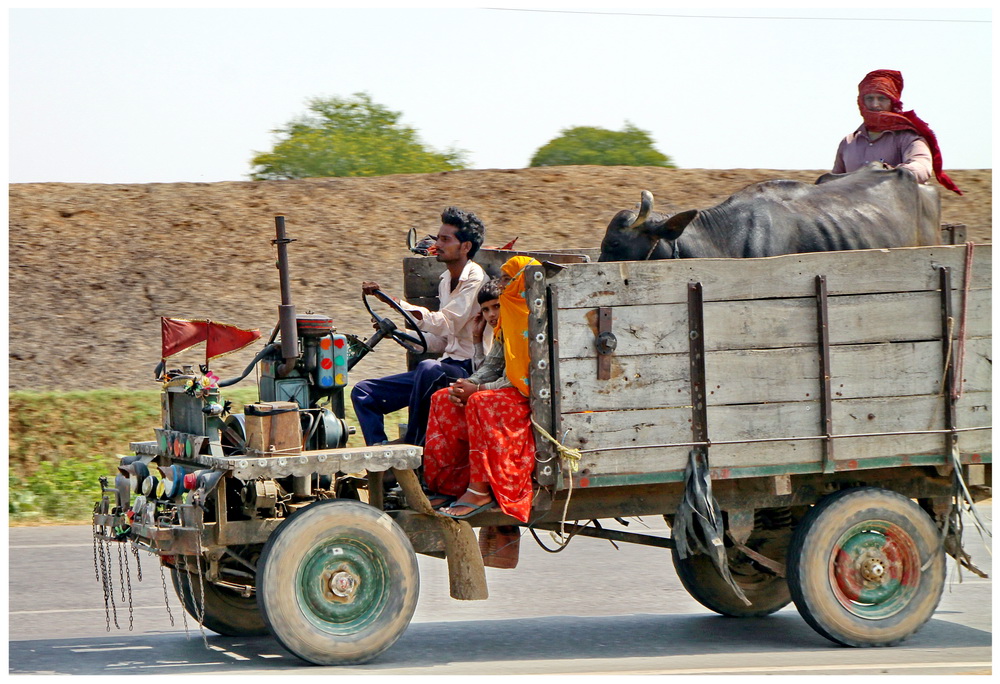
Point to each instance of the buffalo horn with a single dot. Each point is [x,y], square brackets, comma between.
[645,206]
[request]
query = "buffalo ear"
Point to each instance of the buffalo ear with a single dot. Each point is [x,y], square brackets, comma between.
[672,228]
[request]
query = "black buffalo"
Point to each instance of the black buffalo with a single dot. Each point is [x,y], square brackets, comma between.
[870,208]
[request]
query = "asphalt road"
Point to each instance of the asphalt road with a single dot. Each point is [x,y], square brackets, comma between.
[591,609]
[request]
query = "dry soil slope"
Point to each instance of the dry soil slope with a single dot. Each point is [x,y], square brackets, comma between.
[92,267]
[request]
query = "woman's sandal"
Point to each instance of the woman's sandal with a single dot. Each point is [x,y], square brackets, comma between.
[475,508]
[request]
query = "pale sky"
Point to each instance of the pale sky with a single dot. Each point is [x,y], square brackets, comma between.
[167,95]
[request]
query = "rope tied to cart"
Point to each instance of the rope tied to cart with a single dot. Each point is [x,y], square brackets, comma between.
[570,460]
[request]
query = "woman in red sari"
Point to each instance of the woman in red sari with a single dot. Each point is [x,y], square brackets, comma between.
[480,446]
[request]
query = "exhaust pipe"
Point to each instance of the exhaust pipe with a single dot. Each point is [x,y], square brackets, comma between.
[286,311]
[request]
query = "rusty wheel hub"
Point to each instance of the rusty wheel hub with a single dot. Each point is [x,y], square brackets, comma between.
[340,585]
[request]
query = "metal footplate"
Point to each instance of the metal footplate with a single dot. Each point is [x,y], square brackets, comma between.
[324,462]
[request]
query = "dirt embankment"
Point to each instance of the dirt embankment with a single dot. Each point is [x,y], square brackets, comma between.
[93,267]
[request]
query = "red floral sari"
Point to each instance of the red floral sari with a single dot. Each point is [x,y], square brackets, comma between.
[488,440]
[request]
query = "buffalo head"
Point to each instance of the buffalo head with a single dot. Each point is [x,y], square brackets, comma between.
[646,234]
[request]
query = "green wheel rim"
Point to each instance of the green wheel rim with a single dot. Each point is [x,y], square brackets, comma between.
[875,569]
[342,586]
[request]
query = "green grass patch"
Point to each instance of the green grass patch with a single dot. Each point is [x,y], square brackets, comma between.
[60,443]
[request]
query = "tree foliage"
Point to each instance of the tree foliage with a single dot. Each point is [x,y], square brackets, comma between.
[349,137]
[582,145]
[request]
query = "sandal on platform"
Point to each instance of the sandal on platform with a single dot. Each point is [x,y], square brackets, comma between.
[474,507]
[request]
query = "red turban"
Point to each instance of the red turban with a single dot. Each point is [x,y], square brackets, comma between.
[890,83]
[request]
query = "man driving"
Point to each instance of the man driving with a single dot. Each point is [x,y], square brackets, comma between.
[448,331]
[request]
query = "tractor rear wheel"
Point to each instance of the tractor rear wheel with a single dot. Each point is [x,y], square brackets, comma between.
[866,567]
[766,591]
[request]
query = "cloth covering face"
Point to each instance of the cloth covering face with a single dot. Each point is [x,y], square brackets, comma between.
[488,440]
[514,322]
[890,83]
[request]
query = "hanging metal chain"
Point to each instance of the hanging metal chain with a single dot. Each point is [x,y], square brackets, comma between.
[111,584]
[201,586]
[94,531]
[166,598]
[128,581]
[180,590]
[121,571]
[199,615]
[105,582]
[138,566]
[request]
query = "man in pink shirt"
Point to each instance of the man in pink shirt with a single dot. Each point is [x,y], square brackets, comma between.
[890,135]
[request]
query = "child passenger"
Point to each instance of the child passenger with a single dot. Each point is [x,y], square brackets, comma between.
[484,324]
[480,446]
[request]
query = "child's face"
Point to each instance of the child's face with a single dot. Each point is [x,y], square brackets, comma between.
[491,311]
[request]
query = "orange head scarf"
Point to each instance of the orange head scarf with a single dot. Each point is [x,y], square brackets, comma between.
[890,83]
[514,323]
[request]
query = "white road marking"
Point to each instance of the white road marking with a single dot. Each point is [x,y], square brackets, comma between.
[147,667]
[117,643]
[74,610]
[112,648]
[234,656]
[800,668]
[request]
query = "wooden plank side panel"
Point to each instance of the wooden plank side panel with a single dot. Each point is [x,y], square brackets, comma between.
[859,272]
[766,376]
[773,323]
[763,365]
[631,436]
[636,382]
[604,429]
[748,460]
[878,370]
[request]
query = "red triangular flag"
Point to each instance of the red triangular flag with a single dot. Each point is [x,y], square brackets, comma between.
[178,334]
[223,339]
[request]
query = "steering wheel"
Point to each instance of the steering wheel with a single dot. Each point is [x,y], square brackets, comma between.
[416,344]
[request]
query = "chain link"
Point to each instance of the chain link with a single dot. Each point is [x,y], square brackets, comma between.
[201,585]
[97,576]
[180,590]
[121,571]
[166,597]
[105,583]
[111,582]
[128,580]
[199,615]
[138,566]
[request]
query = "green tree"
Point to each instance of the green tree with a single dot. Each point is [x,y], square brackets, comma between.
[349,137]
[630,146]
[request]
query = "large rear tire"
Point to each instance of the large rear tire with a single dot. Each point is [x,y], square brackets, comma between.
[866,567]
[226,611]
[766,591]
[338,582]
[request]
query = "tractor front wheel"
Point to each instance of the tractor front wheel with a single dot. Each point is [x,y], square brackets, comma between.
[338,582]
